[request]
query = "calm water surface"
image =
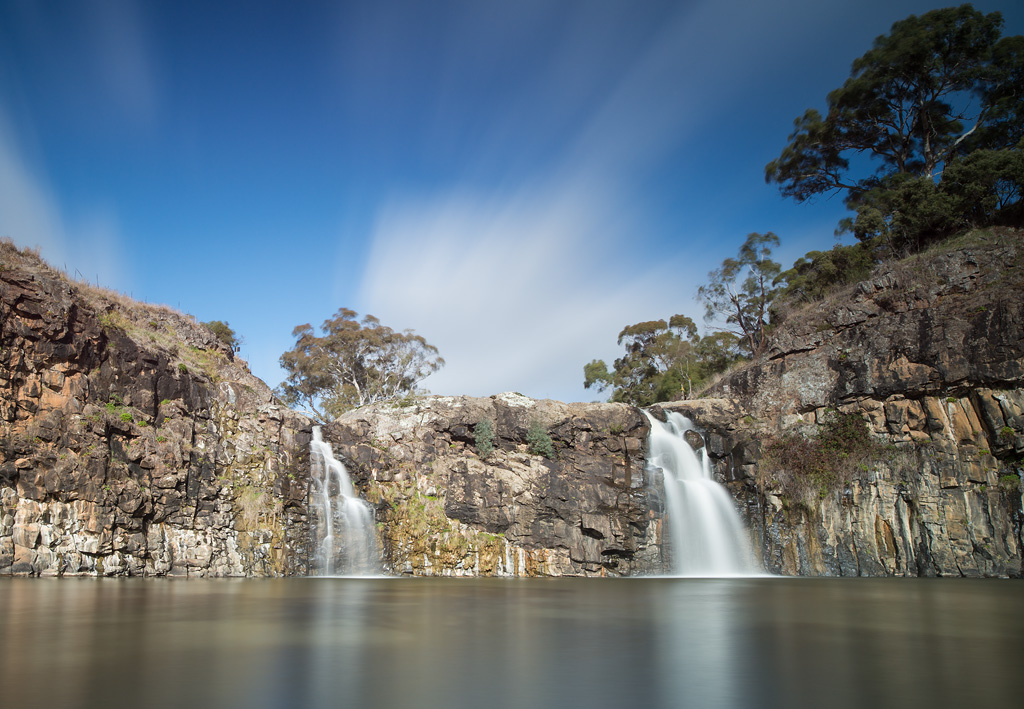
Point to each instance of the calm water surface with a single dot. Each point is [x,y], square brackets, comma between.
[511,643]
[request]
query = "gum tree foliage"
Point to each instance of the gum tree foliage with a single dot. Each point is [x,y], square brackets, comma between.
[740,292]
[353,363]
[816,273]
[925,97]
[662,360]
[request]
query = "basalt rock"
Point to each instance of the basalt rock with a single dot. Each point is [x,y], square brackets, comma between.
[930,354]
[133,443]
[445,509]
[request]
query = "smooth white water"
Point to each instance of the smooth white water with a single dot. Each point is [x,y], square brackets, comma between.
[345,524]
[706,534]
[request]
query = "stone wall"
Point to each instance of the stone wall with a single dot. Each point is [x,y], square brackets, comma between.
[133,443]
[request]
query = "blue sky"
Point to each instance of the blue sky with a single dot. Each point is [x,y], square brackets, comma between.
[516,181]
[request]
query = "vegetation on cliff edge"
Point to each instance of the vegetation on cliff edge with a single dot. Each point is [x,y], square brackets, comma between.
[806,468]
[353,363]
[937,105]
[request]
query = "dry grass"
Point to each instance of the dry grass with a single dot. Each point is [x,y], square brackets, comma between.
[898,283]
[897,277]
[255,504]
[178,335]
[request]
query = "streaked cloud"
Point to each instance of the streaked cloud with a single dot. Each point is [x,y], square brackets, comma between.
[88,246]
[123,59]
[517,291]
[520,285]
[28,214]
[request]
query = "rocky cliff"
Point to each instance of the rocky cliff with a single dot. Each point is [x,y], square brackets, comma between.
[564,490]
[132,442]
[930,354]
[881,434]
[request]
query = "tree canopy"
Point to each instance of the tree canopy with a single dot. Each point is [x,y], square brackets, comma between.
[816,273]
[224,333]
[925,139]
[741,291]
[926,97]
[662,361]
[353,363]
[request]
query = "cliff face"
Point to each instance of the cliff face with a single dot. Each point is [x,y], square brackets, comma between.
[930,352]
[132,443]
[586,508]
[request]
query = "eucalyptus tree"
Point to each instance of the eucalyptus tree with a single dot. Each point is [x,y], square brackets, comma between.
[740,292]
[663,360]
[353,363]
[937,88]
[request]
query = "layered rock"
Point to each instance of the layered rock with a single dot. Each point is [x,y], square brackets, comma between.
[586,508]
[133,443]
[930,352]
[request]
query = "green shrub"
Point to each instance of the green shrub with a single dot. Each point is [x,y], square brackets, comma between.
[538,441]
[1009,483]
[126,416]
[818,273]
[808,468]
[182,368]
[224,333]
[483,433]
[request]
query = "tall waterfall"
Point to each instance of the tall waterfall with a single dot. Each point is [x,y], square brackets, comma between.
[706,535]
[345,524]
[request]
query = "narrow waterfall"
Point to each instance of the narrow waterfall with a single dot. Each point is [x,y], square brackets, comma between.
[345,524]
[706,535]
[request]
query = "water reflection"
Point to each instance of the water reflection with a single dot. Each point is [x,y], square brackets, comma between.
[505,643]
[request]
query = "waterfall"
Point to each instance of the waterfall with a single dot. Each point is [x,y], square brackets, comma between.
[706,535]
[345,524]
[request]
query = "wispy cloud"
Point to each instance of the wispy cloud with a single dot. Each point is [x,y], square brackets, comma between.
[27,212]
[124,63]
[100,68]
[96,60]
[518,292]
[88,246]
[520,285]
